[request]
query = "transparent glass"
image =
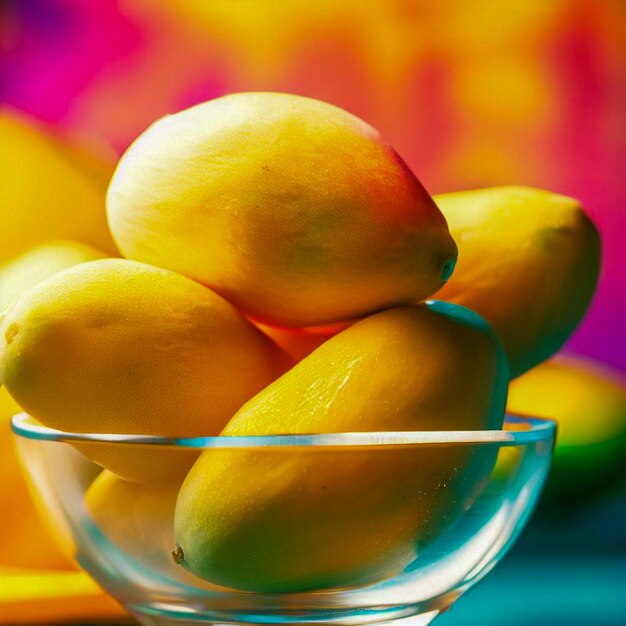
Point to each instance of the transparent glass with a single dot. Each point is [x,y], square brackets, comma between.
[406,501]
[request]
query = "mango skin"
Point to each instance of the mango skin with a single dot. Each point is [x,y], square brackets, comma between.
[115,346]
[528,263]
[290,520]
[294,210]
[50,189]
[39,263]
[588,400]
[137,518]
[300,342]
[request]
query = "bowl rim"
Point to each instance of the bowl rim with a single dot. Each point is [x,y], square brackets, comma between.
[530,430]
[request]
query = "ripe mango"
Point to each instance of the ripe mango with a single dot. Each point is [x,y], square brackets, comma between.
[300,342]
[39,263]
[528,263]
[294,210]
[115,346]
[588,401]
[50,189]
[293,519]
[138,519]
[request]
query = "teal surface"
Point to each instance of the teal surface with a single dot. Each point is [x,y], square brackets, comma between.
[568,569]
[555,591]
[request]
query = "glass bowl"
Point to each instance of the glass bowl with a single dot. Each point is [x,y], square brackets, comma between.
[461,520]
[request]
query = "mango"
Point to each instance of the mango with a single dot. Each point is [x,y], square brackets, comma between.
[137,518]
[588,400]
[528,263]
[300,342]
[39,263]
[115,346]
[294,210]
[50,189]
[294,519]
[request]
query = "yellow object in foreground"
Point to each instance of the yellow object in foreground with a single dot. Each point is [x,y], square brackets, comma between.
[138,519]
[294,210]
[39,597]
[115,346]
[298,519]
[50,190]
[528,263]
[589,403]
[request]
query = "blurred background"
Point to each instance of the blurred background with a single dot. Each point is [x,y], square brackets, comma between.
[472,94]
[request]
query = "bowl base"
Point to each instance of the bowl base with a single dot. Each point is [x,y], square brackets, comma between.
[157,616]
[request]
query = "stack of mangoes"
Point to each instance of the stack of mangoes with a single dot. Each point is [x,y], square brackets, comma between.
[278,255]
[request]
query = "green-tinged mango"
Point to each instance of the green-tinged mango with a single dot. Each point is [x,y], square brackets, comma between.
[588,401]
[293,519]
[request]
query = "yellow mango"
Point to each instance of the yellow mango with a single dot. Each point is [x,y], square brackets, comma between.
[294,210]
[115,346]
[39,263]
[138,519]
[528,263]
[50,189]
[292,519]
[588,401]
